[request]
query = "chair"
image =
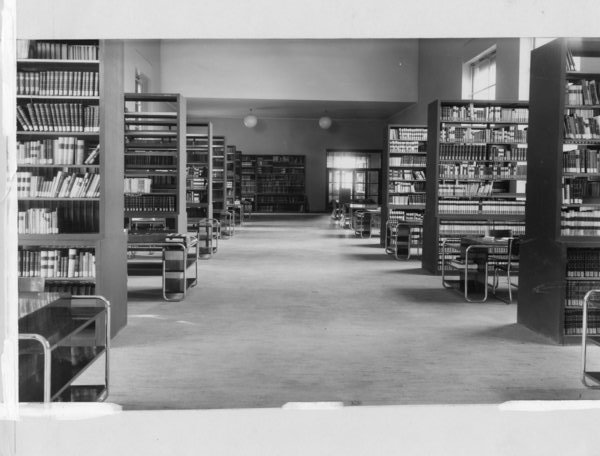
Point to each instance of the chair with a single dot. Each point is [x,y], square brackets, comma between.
[508,266]
[469,261]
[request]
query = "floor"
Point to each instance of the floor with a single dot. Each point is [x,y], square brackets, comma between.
[295,309]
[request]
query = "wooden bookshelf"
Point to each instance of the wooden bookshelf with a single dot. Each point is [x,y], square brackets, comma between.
[476,168]
[219,175]
[155,161]
[199,181]
[280,183]
[403,183]
[77,106]
[248,187]
[230,176]
[561,252]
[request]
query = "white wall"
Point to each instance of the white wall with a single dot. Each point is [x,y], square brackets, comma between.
[441,68]
[346,70]
[303,137]
[8,231]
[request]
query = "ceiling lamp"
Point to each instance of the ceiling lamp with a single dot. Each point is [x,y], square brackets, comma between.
[325,122]
[250,120]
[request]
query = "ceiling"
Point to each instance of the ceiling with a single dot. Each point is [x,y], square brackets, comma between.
[294,109]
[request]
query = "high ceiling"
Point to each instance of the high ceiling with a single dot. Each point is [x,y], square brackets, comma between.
[299,109]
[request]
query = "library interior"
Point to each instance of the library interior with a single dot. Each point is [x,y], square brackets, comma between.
[210,224]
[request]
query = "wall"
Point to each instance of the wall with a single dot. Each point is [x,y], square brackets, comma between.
[347,70]
[144,56]
[303,137]
[441,68]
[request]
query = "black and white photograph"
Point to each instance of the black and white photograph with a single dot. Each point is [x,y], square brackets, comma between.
[320,227]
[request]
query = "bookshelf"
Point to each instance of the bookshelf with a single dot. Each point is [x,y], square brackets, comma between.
[155,162]
[238,176]
[230,176]
[248,174]
[199,171]
[69,116]
[560,255]
[404,166]
[476,164]
[219,175]
[279,183]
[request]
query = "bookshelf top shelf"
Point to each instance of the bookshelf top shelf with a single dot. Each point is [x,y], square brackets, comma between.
[152,115]
[56,62]
[580,241]
[81,165]
[79,134]
[483,122]
[62,237]
[485,103]
[38,198]
[58,97]
[485,217]
[159,97]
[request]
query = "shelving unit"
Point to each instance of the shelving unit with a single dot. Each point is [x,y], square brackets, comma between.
[238,176]
[230,176]
[219,175]
[477,167]
[199,171]
[155,162]
[69,110]
[404,166]
[560,256]
[248,187]
[280,183]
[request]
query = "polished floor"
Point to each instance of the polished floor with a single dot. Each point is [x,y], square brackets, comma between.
[295,309]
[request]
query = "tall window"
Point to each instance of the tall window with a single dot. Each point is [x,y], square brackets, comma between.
[483,77]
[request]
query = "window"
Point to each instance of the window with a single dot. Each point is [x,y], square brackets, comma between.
[483,77]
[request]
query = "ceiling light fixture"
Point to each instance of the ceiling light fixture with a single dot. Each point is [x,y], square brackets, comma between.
[325,122]
[250,120]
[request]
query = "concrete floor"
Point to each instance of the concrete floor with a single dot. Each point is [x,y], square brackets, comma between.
[296,309]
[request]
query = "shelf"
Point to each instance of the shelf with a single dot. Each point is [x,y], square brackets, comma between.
[147,115]
[482,217]
[146,121]
[419,207]
[580,241]
[150,134]
[58,62]
[37,198]
[61,237]
[149,214]
[58,97]
[581,279]
[480,179]
[79,134]
[493,196]
[23,165]
[471,160]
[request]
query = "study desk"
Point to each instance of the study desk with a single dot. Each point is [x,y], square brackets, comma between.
[175,260]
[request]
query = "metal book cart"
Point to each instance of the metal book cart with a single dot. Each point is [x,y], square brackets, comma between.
[178,253]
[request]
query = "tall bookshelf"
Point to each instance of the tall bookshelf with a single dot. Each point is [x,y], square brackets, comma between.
[230,176]
[560,258]
[199,170]
[219,176]
[404,166]
[476,168]
[248,171]
[69,104]
[155,162]
[280,183]
[238,176]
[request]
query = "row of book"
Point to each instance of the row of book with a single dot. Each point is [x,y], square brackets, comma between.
[196,171]
[478,228]
[474,171]
[406,187]
[196,183]
[57,263]
[58,83]
[475,189]
[573,325]
[579,222]
[142,161]
[581,161]
[138,185]
[582,124]
[197,157]
[292,160]
[37,221]
[508,135]
[58,117]
[54,50]
[457,151]
[397,147]
[64,150]
[409,161]
[150,203]
[73,216]
[73,288]
[280,207]
[62,185]
[282,189]
[482,207]
[401,215]
[576,291]
[583,262]
[408,200]
[577,190]
[408,134]
[472,113]
[280,199]
[583,92]
[406,174]
[196,197]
